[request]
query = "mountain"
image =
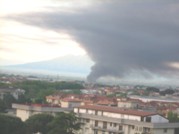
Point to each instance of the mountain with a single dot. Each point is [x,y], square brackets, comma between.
[67,65]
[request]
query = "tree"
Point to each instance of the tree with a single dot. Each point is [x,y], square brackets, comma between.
[2,106]
[11,125]
[8,100]
[167,91]
[38,123]
[74,91]
[152,89]
[64,123]
[173,117]
[23,99]
[36,91]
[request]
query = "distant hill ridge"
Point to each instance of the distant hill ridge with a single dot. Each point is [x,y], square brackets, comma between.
[71,64]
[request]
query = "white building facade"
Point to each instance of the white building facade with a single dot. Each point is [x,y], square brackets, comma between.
[110,120]
[24,111]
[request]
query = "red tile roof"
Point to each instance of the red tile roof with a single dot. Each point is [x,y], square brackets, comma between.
[118,110]
[71,100]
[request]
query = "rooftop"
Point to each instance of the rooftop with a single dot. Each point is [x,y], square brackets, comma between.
[71,100]
[39,107]
[118,110]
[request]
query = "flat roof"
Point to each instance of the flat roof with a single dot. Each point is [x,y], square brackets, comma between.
[118,110]
[40,108]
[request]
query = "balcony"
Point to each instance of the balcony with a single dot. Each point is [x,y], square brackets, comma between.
[101,118]
[146,133]
[128,122]
[107,129]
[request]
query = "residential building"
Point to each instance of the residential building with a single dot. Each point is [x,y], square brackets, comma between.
[70,102]
[54,100]
[111,120]
[17,93]
[24,111]
[12,91]
[127,104]
[156,99]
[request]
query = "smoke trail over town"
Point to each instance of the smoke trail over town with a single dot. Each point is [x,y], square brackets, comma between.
[121,37]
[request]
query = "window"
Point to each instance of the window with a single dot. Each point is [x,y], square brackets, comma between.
[136,128]
[142,118]
[87,120]
[70,105]
[96,123]
[96,112]
[120,127]
[165,130]
[111,124]
[148,119]
[95,131]
[115,124]
[86,129]
[145,129]
[105,125]
[140,128]
[82,120]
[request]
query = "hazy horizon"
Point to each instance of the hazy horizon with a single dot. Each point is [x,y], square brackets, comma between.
[125,40]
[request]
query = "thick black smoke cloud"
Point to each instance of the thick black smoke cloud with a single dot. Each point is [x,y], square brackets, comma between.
[121,36]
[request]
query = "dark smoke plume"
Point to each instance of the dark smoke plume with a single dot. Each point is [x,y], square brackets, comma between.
[121,36]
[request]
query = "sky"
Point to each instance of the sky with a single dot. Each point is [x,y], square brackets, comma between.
[133,40]
[21,43]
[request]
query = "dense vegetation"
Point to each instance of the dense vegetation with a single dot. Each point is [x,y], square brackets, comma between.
[173,117]
[147,90]
[35,91]
[6,102]
[167,91]
[62,123]
[38,123]
[47,85]
[152,89]
[11,125]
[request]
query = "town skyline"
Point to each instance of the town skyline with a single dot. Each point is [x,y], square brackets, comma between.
[125,40]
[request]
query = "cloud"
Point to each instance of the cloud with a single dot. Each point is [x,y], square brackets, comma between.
[121,37]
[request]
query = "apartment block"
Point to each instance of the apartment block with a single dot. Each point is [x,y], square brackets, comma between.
[112,120]
[24,111]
